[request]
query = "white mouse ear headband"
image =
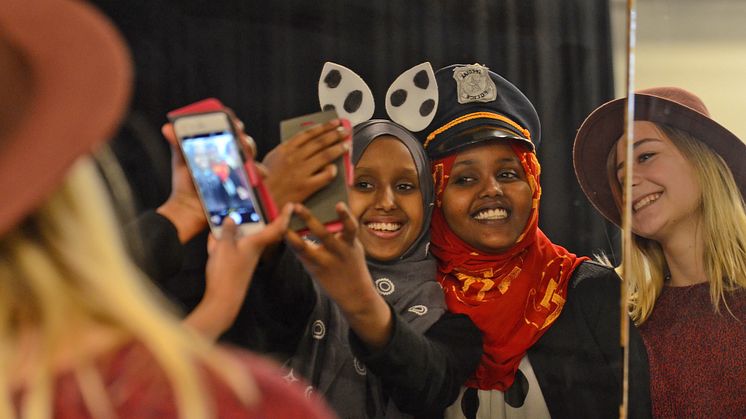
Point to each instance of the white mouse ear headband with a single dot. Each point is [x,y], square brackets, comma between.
[411,100]
[344,91]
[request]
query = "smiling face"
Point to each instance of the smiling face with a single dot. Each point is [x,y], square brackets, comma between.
[487,200]
[386,199]
[666,195]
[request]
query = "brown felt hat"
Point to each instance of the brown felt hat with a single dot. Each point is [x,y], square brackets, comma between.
[65,74]
[672,106]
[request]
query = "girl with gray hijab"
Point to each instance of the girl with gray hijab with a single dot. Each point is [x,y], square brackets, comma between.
[375,338]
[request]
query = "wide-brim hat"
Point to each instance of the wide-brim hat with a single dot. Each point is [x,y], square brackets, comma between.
[477,105]
[77,72]
[672,106]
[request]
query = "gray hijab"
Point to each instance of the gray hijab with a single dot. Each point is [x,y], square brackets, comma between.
[408,284]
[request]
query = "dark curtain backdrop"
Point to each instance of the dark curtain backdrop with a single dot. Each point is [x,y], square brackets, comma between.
[263,59]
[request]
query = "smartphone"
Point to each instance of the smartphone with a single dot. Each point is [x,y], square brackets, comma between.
[322,203]
[210,148]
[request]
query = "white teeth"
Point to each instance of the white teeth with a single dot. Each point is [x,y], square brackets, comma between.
[384,226]
[491,214]
[644,202]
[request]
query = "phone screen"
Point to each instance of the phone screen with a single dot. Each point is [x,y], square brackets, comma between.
[217,169]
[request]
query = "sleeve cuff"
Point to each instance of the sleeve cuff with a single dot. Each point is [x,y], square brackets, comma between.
[154,244]
[400,338]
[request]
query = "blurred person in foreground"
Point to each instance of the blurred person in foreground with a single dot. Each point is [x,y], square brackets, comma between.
[82,335]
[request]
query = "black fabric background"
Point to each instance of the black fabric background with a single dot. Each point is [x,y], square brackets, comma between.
[263,59]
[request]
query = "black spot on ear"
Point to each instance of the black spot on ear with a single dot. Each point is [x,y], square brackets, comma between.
[470,403]
[516,394]
[398,97]
[427,107]
[328,107]
[333,78]
[353,101]
[421,79]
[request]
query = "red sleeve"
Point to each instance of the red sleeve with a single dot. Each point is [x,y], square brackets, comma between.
[279,398]
[138,388]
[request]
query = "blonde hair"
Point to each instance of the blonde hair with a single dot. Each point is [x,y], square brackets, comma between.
[65,262]
[723,230]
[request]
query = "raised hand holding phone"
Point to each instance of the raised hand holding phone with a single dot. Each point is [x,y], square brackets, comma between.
[210,146]
[230,267]
[304,163]
[338,264]
[316,153]
[183,207]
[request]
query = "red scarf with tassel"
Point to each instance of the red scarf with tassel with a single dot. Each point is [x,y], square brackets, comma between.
[513,297]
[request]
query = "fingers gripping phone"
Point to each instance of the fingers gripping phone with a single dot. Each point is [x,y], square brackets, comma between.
[210,148]
[322,203]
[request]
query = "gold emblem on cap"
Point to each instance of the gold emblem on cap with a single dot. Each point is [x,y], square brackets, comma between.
[473,84]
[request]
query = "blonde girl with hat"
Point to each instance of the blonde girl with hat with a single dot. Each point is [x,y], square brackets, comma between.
[688,265]
[80,333]
[549,318]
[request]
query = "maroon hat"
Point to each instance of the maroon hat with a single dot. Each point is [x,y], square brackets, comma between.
[672,106]
[66,75]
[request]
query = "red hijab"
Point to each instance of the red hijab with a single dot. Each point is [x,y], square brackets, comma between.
[513,297]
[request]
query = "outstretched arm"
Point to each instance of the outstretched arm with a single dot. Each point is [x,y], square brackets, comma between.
[421,373]
[338,265]
[230,266]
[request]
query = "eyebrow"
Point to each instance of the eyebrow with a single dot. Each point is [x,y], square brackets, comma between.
[635,145]
[406,171]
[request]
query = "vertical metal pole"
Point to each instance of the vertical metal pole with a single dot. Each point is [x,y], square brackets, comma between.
[629,117]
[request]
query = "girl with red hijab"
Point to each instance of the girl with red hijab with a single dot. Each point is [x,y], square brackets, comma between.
[550,319]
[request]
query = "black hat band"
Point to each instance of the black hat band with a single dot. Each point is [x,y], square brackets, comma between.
[475,115]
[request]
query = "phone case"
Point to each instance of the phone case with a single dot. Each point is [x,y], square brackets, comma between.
[203,106]
[266,203]
[322,203]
